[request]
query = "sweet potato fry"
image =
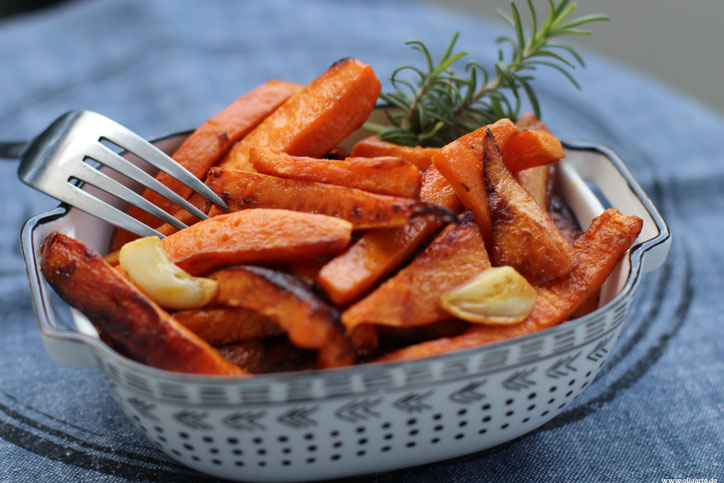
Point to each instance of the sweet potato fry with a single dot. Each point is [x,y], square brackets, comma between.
[226,325]
[461,163]
[242,190]
[255,236]
[412,297]
[524,236]
[598,250]
[309,323]
[531,147]
[383,175]
[538,182]
[133,323]
[378,253]
[205,146]
[373,146]
[314,121]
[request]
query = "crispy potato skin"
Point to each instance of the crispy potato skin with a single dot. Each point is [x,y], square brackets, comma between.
[131,321]
[256,236]
[309,322]
[242,190]
[226,325]
[318,118]
[378,253]
[208,143]
[412,297]
[384,175]
[524,236]
[373,146]
[598,251]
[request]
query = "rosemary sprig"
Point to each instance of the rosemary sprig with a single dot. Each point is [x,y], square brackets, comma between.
[434,105]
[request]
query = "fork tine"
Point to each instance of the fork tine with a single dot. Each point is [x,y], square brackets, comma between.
[118,163]
[85,201]
[94,177]
[135,144]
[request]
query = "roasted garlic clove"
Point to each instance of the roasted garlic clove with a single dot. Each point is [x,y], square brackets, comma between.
[497,295]
[147,265]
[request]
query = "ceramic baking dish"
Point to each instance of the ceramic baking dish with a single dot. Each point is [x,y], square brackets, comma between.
[374,417]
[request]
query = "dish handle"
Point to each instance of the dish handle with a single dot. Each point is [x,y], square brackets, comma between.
[63,346]
[602,168]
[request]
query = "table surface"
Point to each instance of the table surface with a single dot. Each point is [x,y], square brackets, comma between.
[657,409]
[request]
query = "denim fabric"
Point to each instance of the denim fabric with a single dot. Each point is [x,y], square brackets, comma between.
[656,411]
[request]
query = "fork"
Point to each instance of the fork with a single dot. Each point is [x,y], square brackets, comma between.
[55,164]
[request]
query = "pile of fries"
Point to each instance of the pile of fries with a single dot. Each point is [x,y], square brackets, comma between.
[326,259]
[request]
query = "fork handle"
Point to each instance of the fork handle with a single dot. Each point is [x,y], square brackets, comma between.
[12,150]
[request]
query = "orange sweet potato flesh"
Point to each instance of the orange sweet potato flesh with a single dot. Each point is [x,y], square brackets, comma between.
[538,182]
[309,323]
[226,325]
[373,146]
[412,296]
[209,142]
[378,253]
[598,251]
[255,236]
[242,190]
[530,147]
[461,163]
[122,314]
[524,236]
[385,175]
[314,121]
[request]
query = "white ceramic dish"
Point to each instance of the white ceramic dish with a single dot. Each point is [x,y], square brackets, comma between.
[375,417]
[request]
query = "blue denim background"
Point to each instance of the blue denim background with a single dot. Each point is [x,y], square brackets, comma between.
[656,411]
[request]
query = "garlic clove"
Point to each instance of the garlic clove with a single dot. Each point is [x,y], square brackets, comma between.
[147,265]
[497,296]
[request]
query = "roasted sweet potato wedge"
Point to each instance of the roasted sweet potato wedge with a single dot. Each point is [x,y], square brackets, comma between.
[538,182]
[121,313]
[532,147]
[597,250]
[314,121]
[461,163]
[226,325]
[524,236]
[208,143]
[412,297]
[256,236]
[385,175]
[373,146]
[378,253]
[242,190]
[309,322]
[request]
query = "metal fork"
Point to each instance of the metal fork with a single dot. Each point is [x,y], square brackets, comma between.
[53,161]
